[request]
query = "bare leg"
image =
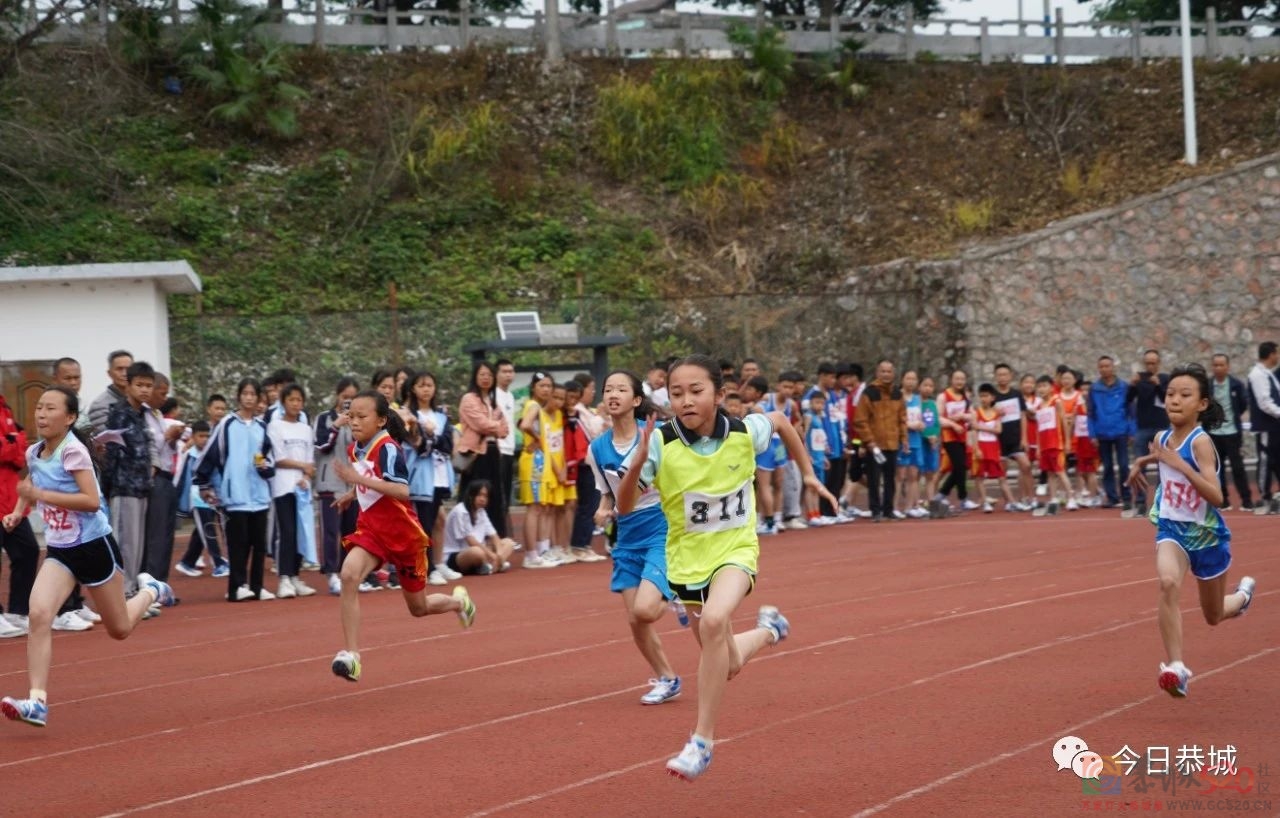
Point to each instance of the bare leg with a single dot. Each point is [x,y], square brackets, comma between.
[723,654]
[1171,567]
[120,616]
[53,584]
[355,568]
[1216,605]
[764,493]
[420,603]
[641,615]
[532,513]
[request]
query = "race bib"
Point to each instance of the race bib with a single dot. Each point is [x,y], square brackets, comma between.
[1082,425]
[914,415]
[365,495]
[1047,418]
[1180,501]
[954,408]
[706,513]
[555,441]
[62,527]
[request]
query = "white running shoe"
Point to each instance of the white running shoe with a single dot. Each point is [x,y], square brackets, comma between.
[335,585]
[692,761]
[8,630]
[88,615]
[447,572]
[988,508]
[183,568]
[795,524]
[436,578]
[587,555]
[664,690]
[200,563]
[346,665]
[917,513]
[773,621]
[70,622]
[562,555]
[1072,505]
[285,589]
[1246,586]
[19,621]
[301,588]
[532,560]
[243,593]
[969,505]
[264,595]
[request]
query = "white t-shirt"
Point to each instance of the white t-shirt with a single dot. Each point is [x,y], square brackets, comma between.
[458,526]
[507,405]
[289,441]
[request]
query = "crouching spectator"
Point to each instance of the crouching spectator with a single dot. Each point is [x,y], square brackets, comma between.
[471,545]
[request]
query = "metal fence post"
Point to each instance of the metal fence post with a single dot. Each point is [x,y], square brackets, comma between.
[1135,42]
[392,40]
[555,53]
[686,35]
[834,25]
[759,17]
[984,42]
[611,31]
[464,24]
[1059,39]
[909,35]
[317,37]
[1211,47]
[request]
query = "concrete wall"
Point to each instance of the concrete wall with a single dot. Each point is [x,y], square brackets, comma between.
[85,321]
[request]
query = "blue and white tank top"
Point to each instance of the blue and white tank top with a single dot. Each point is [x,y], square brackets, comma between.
[1180,509]
[645,524]
[64,527]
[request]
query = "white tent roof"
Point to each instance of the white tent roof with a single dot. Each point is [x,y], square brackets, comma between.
[173,277]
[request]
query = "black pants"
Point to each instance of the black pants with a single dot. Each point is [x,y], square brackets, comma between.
[287,556]
[836,468]
[958,477]
[488,466]
[334,525]
[584,516]
[162,519]
[1268,462]
[24,558]
[1228,447]
[1115,451]
[881,487]
[247,544]
[428,512]
[506,477]
[204,537]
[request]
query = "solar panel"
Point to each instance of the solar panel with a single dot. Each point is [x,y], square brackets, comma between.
[519,326]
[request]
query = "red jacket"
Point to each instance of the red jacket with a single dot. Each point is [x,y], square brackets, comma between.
[576,446]
[13,457]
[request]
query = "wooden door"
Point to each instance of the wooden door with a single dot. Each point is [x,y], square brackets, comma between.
[22,383]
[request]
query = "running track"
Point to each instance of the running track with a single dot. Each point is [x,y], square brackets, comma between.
[930,668]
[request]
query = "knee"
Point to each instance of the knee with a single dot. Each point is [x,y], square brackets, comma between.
[40,615]
[117,631]
[645,614]
[351,573]
[714,624]
[1213,618]
[1169,585]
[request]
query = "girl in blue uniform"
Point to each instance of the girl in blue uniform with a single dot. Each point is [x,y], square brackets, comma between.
[1190,532]
[62,486]
[702,464]
[640,553]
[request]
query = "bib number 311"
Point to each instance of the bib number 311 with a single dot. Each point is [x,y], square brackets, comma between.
[705,513]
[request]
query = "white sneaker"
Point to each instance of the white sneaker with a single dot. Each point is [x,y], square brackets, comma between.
[1072,506]
[447,572]
[436,578]
[243,593]
[335,585]
[184,569]
[587,555]
[8,630]
[200,563]
[898,515]
[969,505]
[301,588]
[988,507]
[1042,490]
[365,587]
[562,555]
[795,524]
[87,614]
[285,589]
[535,561]
[817,522]
[70,622]
[264,595]
[917,513]
[19,621]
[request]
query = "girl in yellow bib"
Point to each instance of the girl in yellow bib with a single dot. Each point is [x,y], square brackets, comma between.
[541,471]
[702,463]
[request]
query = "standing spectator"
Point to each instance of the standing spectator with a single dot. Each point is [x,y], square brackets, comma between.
[1108,411]
[1229,392]
[239,462]
[582,425]
[956,417]
[118,364]
[482,425]
[506,445]
[1013,435]
[20,543]
[215,409]
[1264,413]
[881,424]
[332,436]
[162,507]
[1146,397]
[206,531]
[129,470]
[291,488]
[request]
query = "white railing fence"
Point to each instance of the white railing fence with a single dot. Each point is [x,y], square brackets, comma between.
[323,24]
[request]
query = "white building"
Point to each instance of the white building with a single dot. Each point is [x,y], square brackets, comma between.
[83,311]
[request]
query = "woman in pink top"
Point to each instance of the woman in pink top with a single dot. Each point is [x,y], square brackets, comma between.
[482,425]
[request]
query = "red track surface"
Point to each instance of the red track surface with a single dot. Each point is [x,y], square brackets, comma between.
[930,669]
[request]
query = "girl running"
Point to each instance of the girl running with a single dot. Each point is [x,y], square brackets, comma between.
[387,529]
[1190,531]
[640,552]
[702,465]
[63,487]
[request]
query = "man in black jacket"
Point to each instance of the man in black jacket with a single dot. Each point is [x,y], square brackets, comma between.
[1229,391]
[1146,401]
[1264,414]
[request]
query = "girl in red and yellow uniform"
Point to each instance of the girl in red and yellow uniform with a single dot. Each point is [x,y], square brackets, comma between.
[387,529]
